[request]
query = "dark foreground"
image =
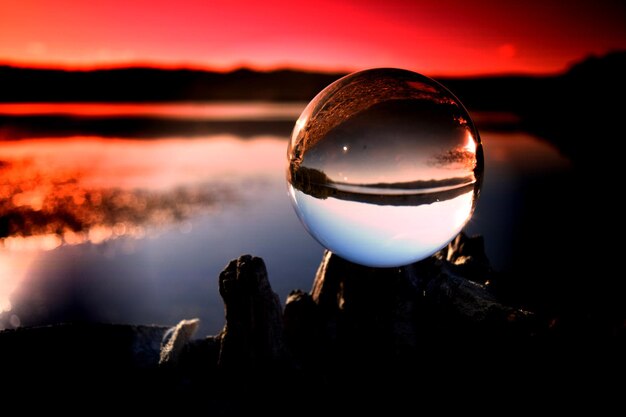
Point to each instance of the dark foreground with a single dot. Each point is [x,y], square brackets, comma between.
[381,340]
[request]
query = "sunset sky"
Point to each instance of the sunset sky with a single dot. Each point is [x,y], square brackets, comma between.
[440,37]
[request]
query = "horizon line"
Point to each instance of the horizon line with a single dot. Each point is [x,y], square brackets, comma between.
[250,67]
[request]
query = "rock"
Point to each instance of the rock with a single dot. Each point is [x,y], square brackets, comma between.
[356,302]
[388,313]
[467,305]
[64,345]
[84,359]
[199,357]
[176,340]
[252,338]
[357,327]
[303,328]
[468,256]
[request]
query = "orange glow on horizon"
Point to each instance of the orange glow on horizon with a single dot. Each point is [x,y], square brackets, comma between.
[437,38]
[192,110]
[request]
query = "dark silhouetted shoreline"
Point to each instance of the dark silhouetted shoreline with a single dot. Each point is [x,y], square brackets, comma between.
[143,85]
[569,109]
[16,127]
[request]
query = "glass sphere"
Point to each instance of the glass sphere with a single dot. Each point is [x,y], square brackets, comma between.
[384,167]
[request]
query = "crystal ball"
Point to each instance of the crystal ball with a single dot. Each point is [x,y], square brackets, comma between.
[384,167]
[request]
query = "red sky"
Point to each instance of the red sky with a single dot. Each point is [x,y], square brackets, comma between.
[436,37]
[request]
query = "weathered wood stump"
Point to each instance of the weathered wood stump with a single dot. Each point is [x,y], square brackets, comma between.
[253,335]
[398,315]
[355,340]
[348,303]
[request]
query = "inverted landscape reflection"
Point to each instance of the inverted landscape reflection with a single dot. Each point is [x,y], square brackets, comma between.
[384,167]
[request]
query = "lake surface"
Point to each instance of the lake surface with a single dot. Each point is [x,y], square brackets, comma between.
[99,223]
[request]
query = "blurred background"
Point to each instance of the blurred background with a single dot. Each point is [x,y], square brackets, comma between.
[143,146]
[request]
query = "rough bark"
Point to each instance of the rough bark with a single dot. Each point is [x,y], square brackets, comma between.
[253,335]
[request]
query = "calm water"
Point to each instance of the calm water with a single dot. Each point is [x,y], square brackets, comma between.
[117,228]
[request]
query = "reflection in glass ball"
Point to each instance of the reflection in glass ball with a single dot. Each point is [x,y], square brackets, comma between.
[384,167]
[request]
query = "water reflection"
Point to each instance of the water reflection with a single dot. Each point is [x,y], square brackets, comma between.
[233,202]
[46,210]
[88,191]
[85,189]
[146,121]
[188,111]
